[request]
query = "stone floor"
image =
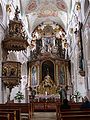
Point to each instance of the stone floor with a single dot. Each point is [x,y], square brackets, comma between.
[44,116]
[41,116]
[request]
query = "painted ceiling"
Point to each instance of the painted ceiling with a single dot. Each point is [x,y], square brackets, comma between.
[38,11]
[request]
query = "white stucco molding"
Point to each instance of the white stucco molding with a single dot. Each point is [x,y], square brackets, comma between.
[88,63]
[2,32]
[86,17]
[2,25]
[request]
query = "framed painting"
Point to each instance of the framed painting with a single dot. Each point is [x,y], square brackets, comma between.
[33,76]
[61,74]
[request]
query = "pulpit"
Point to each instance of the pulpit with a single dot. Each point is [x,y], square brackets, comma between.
[15,40]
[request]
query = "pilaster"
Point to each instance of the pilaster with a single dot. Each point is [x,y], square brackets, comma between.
[1,85]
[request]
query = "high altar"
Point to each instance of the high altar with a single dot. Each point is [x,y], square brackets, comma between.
[49,65]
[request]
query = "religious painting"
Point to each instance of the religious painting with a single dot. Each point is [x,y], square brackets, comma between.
[48,43]
[34,76]
[61,74]
[13,72]
[11,69]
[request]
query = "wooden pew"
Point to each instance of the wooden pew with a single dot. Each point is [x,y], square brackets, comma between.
[37,106]
[22,106]
[75,108]
[75,115]
[4,116]
[27,108]
[13,114]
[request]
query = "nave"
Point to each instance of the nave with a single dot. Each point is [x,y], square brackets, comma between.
[44,56]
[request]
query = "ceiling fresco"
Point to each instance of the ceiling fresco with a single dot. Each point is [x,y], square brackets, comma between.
[38,11]
[36,4]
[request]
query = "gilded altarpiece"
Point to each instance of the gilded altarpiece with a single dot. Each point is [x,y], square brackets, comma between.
[48,75]
[48,59]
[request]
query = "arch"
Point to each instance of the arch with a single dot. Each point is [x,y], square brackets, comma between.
[38,21]
[86,5]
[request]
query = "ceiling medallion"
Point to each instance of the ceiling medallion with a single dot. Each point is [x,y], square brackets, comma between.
[61,5]
[31,6]
[15,38]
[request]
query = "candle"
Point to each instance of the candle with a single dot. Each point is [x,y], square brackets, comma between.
[46,93]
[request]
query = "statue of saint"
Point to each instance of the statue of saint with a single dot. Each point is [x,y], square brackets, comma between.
[47,86]
[63,93]
[47,80]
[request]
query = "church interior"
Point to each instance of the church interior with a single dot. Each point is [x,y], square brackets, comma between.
[44,57]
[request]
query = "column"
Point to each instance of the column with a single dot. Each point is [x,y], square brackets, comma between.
[1,87]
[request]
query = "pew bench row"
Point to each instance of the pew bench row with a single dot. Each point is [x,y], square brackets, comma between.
[10,114]
[74,115]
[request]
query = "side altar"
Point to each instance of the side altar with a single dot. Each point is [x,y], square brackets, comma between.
[49,65]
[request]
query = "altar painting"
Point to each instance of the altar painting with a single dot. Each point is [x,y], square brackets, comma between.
[34,76]
[61,74]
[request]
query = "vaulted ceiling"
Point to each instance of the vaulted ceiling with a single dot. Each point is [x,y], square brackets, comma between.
[38,11]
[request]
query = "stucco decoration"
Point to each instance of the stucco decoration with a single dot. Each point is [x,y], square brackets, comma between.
[46,9]
[32,5]
[1,12]
[61,5]
[47,13]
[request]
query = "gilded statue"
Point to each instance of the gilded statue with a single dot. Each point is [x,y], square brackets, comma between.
[47,85]
[47,82]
